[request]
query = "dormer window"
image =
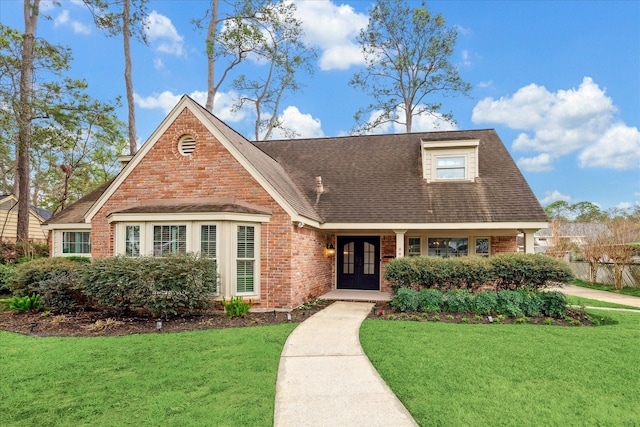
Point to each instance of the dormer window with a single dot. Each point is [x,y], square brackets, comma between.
[450,167]
[450,160]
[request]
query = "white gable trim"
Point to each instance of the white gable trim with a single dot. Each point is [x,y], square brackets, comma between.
[186,102]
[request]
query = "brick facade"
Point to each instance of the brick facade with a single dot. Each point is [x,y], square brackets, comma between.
[293,265]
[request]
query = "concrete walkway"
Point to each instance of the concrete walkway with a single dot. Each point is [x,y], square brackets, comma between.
[579,291]
[325,379]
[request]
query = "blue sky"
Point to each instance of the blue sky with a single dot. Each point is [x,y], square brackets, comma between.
[558,80]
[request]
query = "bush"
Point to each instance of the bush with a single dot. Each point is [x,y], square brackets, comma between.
[554,304]
[532,304]
[165,287]
[7,274]
[485,302]
[510,303]
[405,300]
[55,279]
[457,301]
[506,271]
[236,306]
[534,272]
[25,303]
[430,301]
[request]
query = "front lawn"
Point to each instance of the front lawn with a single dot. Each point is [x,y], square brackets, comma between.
[202,378]
[511,375]
[634,292]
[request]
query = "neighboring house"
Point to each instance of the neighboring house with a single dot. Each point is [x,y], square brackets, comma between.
[9,220]
[570,234]
[288,221]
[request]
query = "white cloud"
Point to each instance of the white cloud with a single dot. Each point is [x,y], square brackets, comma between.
[304,125]
[163,34]
[618,148]
[223,103]
[466,60]
[564,122]
[624,206]
[554,196]
[484,85]
[333,29]
[425,122]
[540,163]
[158,64]
[64,20]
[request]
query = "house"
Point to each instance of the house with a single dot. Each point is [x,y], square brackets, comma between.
[567,236]
[9,220]
[288,221]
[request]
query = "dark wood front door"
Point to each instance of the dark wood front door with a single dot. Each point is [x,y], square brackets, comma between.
[358,262]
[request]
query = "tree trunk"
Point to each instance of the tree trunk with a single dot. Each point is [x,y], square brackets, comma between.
[211,33]
[126,34]
[24,120]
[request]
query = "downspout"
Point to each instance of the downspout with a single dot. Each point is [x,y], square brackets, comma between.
[6,219]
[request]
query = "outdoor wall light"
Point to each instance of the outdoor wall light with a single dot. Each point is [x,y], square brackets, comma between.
[330,250]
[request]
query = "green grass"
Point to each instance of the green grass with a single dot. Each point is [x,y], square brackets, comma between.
[573,300]
[511,375]
[201,378]
[634,292]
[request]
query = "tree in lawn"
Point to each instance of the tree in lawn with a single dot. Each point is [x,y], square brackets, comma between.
[593,247]
[238,36]
[126,17]
[408,62]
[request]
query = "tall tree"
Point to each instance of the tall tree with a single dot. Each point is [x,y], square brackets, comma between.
[126,17]
[25,116]
[281,55]
[260,31]
[407,53]
[68,129]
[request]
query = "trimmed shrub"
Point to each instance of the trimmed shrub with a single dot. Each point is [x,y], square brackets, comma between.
[165,287]
[430,301]
[457,301]
[534,272]
[54,279]
[554,304]
[7,274]
[485,302]
[405,300]
[510,303]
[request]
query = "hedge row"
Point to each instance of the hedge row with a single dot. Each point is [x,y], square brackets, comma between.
[165,287]
[509,303]
[503,271]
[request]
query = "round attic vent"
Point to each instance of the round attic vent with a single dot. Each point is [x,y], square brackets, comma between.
[186,145]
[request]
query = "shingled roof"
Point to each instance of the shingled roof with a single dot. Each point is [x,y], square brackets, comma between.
[378,179]
[74,213]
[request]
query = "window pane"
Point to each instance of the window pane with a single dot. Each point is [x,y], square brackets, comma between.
[348,259]
[414,246]
[169,239]
[369,258]
[482,246]
[132,240]
[447,247]
[450,168]
[245,241]
[76,242]
[208,240]
[245,275]
[450,162]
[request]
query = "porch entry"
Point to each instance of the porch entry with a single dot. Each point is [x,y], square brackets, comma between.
[358,259]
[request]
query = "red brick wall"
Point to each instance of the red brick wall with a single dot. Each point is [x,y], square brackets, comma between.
[211,171]
[504,244]
[312,270]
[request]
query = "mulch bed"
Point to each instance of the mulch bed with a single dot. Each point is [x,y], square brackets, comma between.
[106,323]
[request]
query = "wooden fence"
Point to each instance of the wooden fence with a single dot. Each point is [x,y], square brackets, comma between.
[630,276]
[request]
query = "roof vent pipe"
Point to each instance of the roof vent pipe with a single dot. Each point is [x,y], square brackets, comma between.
[319,188]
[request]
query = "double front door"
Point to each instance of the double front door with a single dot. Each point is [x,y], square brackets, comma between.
[358,261]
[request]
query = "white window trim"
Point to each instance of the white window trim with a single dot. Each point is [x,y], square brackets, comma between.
[226,241]
[432,150]
[57,242]
[471,239]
